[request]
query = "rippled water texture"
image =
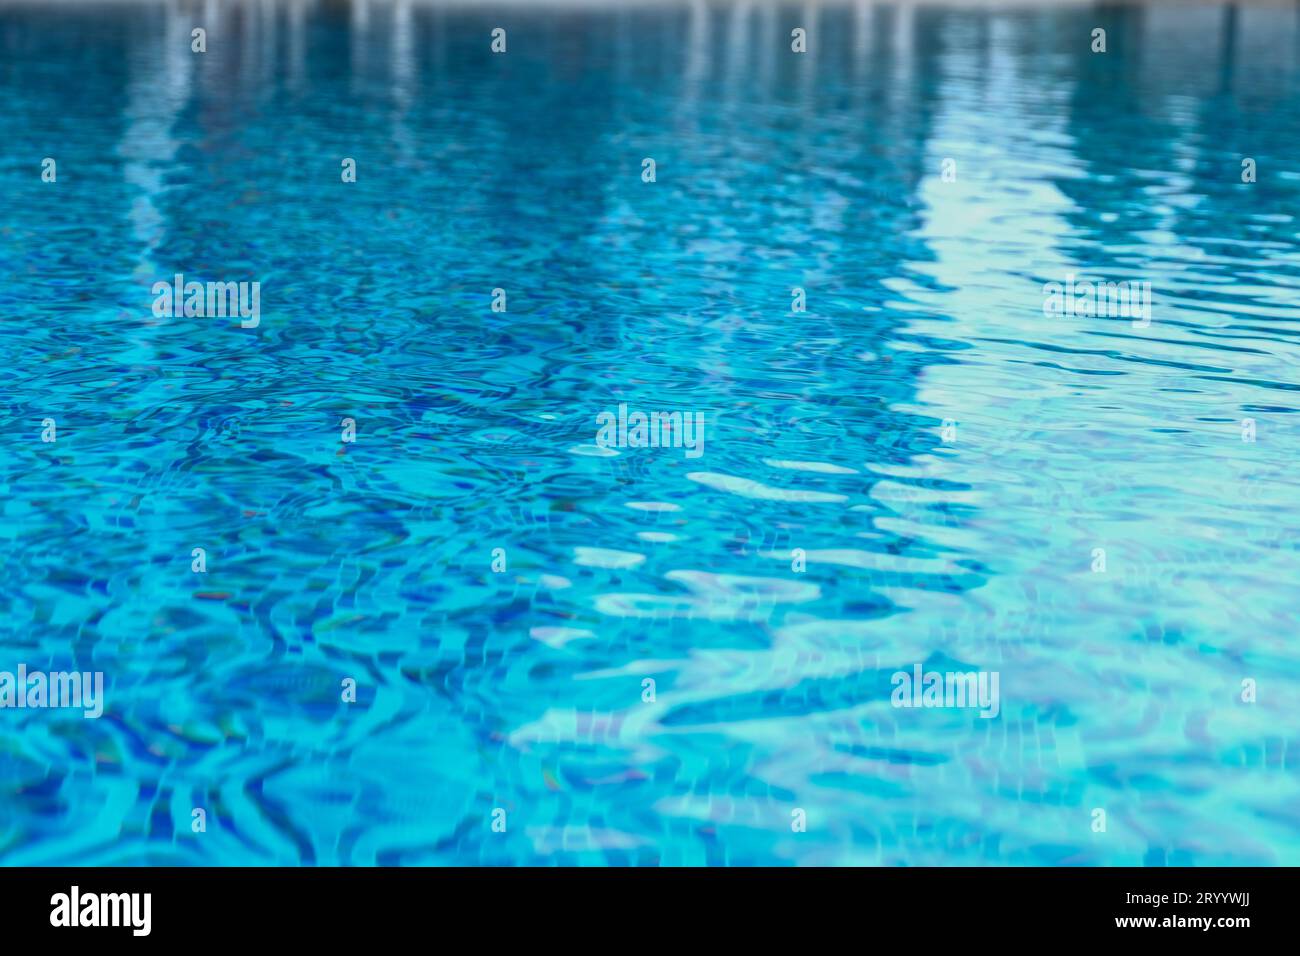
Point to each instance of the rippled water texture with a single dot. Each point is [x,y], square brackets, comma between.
[522,690]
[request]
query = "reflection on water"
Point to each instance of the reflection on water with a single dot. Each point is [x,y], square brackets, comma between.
[965,548]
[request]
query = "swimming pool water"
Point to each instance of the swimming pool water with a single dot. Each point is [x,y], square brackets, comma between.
[920,467]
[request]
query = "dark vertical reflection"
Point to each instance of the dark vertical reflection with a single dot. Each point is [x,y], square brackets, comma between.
[1227,51]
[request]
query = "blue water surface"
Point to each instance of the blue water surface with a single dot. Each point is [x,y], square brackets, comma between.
[920,468]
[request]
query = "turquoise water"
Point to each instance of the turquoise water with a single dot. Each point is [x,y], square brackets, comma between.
[970,547]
